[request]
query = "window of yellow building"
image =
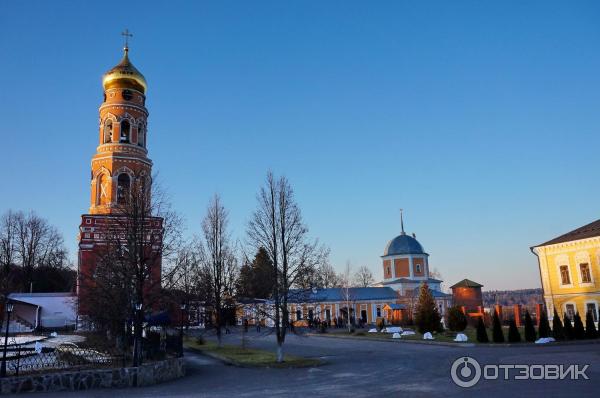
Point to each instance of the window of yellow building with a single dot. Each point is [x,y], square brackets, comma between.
[564,275]
[586,276]
[591,307]
[570,310]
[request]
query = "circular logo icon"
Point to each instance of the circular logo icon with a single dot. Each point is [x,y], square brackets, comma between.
[465,372]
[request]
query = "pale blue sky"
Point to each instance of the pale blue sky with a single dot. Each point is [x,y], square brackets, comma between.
[479,118]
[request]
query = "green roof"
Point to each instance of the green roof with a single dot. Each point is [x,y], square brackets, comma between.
[466,283]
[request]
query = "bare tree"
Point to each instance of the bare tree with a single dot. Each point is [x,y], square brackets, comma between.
[8,249]
[325,276]
[277,226]
[30,249]
[140,240]
[436,274]
[363,277]
[218,261]
[348,294]
[36,243]
[184,281]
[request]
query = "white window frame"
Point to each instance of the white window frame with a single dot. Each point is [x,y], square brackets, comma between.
[560,280]
[565,312]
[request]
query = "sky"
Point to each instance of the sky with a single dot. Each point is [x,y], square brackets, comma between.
[479,119]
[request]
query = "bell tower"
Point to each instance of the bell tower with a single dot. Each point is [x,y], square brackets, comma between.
[120,169]
[121,157]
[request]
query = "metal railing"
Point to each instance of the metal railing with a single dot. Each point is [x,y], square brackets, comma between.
[24,360]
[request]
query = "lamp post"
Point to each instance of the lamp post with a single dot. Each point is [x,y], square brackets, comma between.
[137,335]
[9,310]
[182,307]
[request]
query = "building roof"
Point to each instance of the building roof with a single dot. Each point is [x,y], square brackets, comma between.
[434,293]
[587,231]
[466,283]
[408,280]
[395,306]
[52,294]
[124,74]
[403,244]
[339,294]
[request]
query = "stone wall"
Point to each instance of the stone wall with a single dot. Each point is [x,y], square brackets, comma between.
[147,374]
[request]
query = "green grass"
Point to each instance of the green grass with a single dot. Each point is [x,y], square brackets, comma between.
[251,357]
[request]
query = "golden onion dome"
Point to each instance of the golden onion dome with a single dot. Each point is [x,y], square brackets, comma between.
[124,75]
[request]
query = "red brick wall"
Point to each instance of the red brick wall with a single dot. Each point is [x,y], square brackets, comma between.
[401,267]
[470,297]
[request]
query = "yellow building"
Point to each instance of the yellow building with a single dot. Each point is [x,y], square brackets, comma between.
[570,271]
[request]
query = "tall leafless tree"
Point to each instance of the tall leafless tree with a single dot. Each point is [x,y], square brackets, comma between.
[37,244]
[277,226]
[27,243]
[327,277]
[141,238]
[8,248]
[218,261]
[348,294]
[363,277]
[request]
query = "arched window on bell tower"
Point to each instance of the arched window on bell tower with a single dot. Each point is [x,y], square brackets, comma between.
[125,131]
[123,186]
[108,128]
[102,190]
[141,135]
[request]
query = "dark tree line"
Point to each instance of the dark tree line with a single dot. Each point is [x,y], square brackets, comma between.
[33,256]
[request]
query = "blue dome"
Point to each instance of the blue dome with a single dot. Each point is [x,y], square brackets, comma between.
[403,244]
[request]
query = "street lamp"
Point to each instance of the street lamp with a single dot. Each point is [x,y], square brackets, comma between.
[9,310]
[182,307]
[137,335]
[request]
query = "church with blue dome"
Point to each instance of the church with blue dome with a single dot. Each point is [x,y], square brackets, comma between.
[406,266]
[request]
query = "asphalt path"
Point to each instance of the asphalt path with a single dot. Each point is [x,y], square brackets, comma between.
[364,368]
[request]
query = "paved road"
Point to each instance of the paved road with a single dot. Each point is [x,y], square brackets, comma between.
[370,368]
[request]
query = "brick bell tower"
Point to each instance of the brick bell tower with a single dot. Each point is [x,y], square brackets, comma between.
[120,163]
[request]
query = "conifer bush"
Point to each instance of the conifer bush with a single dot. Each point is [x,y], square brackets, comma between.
[482,335]
[497,334]
[457,321]
[578,330]
[590,328]
[513,332]
[568,325]
[428,318]
[529,328]
[544,328]
[558,331]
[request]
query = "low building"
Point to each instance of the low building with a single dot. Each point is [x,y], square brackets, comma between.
[359,304]
[570,271]
[467,294]
[33,311]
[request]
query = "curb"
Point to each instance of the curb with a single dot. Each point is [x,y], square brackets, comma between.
[469,345]
[224,360]
[425,342]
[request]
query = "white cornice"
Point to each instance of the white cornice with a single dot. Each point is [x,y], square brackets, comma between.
[588,243]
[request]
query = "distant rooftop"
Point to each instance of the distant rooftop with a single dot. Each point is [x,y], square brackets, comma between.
[408,280]
[587,231]
[57,294]
[466,283]
[339,294]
